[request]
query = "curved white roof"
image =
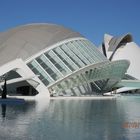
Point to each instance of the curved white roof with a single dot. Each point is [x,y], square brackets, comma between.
[129,51]
[25,41]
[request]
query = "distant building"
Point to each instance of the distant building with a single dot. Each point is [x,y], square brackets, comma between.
[120,48]
[52,60]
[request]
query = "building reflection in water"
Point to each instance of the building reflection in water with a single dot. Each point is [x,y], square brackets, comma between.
[86,118]
[3,110]
[70,119]
[17,118]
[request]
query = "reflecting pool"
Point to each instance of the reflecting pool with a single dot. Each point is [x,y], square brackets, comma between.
[72,120]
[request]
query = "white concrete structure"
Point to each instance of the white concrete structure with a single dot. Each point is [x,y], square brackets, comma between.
[123,47]
[55,61]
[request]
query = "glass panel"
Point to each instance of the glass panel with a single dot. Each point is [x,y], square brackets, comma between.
[94,48]
[91,53]
[35,71]
[80,48]
[34,64]
[70,64]
[57,62]
[38,71]
[84,51]
[46,82]
[48,67]
[72,56]
[53,67]
[30,66]
[53,61]
[76,50]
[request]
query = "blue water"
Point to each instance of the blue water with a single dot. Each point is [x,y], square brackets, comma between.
[71,120]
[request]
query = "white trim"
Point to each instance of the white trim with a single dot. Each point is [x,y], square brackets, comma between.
[53,46]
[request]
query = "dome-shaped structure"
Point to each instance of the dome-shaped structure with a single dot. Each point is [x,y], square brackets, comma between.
[25,41]
[53,58]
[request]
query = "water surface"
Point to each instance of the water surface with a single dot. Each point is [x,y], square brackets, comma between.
[71,120]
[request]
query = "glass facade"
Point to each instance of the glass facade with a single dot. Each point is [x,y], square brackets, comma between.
[64,59]
[99,79]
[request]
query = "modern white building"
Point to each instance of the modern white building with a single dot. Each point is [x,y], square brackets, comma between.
[50,60]
[123,47]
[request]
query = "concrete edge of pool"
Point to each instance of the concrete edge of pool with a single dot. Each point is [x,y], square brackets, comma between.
[28,98]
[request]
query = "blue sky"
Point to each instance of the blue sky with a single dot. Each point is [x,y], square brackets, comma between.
[92,18]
